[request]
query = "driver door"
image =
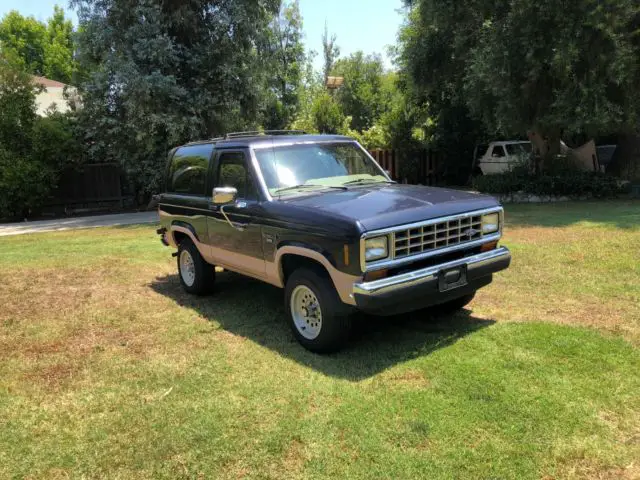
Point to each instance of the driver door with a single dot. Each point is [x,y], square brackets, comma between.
[235,234]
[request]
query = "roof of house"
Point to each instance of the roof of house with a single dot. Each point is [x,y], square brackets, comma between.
[45,82]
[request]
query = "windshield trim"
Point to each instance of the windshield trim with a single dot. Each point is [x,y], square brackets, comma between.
[260,146]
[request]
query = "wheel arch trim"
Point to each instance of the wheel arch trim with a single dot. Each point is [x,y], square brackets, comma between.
[343,282]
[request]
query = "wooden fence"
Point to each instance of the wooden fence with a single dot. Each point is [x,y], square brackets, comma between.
[89,186]
[427,164]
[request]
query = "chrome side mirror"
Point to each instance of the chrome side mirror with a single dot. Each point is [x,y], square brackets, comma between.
[224,195]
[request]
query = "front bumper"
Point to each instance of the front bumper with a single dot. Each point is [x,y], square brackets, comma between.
[420,288]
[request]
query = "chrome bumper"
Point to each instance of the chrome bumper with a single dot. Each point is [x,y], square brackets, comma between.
[482,261]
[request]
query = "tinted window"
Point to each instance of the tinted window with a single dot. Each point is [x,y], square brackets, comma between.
[188,171]
[233,172]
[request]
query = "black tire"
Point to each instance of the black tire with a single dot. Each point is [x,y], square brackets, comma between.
[453,306]
[335,324]
[204,274]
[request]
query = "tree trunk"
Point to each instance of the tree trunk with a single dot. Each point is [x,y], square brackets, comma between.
[545,147]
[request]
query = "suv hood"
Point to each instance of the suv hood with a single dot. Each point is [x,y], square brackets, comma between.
[381,206]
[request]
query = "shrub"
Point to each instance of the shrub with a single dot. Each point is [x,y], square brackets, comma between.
[566,184]
[25,184]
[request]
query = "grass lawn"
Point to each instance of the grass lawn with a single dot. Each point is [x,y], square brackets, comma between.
[107,369]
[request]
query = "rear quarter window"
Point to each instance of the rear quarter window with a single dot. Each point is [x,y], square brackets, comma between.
[188,170]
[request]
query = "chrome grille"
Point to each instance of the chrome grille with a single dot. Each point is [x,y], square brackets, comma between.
[419,239]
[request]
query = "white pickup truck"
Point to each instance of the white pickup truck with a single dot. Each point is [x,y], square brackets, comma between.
[499,157]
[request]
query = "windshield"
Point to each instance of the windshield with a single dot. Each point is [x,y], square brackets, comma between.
[291,169]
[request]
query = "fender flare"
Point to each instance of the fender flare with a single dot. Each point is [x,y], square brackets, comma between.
[343,282]
[188,230]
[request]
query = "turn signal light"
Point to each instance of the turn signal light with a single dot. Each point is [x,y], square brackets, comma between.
[489,246]
[377,275]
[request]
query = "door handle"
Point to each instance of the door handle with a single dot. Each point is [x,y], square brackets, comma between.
[238,226]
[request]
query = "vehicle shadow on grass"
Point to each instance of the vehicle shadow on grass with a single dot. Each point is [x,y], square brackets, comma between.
[254,310]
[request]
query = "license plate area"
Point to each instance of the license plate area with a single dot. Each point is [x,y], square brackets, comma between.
[452,278]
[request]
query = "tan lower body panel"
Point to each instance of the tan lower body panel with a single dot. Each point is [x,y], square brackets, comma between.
[270,272]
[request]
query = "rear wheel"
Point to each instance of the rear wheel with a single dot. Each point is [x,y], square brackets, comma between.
[196,275]
[318,318]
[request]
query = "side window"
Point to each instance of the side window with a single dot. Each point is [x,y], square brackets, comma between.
[233,172]
[188,171]
[498,151]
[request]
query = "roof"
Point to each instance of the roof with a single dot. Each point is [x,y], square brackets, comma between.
[45,82]
[271,140]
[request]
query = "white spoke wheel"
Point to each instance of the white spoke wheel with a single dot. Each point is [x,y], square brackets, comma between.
[187,268]
[196,275]
[318,318]
[306,312]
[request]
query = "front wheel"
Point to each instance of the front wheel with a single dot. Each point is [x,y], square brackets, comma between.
[319,320]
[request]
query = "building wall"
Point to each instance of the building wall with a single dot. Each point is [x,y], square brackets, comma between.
[49,96]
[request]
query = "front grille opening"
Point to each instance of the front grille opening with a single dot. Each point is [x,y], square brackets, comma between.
[418,240]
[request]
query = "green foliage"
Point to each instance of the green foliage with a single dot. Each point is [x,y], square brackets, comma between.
[189,71]
[361,95]
[330,52]
[553,67]
[33,150]
[58,50]
[17,109]
[562,184]
[369,105]
[39,48]
[25,183]
[24,38]
[283,56]
[327,114]
[56,141]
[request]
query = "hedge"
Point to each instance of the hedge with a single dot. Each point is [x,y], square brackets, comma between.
[567,184]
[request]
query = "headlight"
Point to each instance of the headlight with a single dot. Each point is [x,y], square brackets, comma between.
[376,248]
[490,223]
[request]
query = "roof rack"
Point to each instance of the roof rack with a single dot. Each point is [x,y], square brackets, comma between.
[258,133]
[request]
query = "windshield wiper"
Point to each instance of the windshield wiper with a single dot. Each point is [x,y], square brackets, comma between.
[366,180]
[309,185]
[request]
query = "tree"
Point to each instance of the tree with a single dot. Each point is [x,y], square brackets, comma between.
[59,63]
[163,73]
[327,115]
[330,51]
[550,67]
[284,62]
[25,180]
[24,39]
[40,49]
[361,95]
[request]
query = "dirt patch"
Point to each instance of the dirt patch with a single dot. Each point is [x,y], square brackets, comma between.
[584,469]
[294,457]
[54,376]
